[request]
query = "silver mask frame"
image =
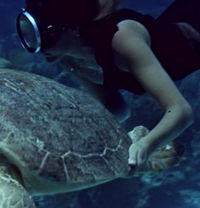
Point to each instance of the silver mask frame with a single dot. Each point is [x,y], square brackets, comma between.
[36,30]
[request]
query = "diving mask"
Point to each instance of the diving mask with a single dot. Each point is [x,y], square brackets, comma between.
[35,36]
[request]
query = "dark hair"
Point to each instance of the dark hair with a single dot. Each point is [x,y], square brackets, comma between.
[68,12]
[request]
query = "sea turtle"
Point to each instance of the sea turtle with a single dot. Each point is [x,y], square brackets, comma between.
[55,139]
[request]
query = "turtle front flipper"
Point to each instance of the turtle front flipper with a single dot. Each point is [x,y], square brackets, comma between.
[160,160]
[12,193]
[163,158]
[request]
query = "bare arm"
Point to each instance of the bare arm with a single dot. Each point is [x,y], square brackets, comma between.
[132,44]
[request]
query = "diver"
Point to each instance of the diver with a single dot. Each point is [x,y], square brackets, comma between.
[136,52]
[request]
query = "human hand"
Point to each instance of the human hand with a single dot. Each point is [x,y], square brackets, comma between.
[139,153]
[140,150]
[145,157]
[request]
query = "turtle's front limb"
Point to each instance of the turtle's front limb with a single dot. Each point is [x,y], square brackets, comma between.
[12,193]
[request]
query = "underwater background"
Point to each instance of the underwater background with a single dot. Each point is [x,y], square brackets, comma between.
[177,188]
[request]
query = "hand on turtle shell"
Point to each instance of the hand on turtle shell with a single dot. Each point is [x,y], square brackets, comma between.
[145,158]
[139,153]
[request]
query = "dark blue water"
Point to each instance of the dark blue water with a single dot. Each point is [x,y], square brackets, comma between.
[177,188]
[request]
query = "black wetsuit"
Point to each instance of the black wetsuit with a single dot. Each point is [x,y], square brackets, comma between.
[168,43]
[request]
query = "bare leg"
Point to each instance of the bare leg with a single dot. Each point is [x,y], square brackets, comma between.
[115,103]
[191,34]
[183,11]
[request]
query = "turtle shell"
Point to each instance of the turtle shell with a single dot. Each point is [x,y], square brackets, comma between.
[61,139]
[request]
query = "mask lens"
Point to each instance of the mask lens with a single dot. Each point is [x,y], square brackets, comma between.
[28,32]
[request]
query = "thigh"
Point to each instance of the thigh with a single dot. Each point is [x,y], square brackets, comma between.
[183,11]
[178,54]
[115,103]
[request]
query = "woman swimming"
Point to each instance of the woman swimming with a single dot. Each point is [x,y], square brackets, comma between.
[136,52]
